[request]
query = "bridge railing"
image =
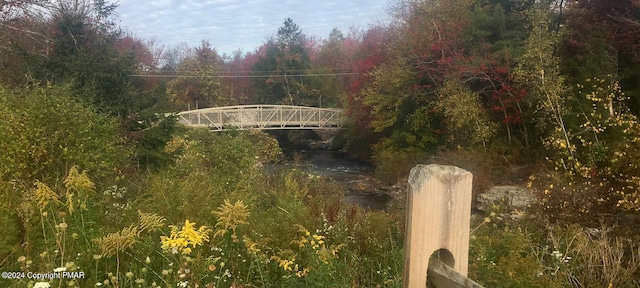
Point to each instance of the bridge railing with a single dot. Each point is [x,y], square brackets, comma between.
[437,231]
[263,117]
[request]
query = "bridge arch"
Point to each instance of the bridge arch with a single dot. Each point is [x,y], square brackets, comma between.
[265,117]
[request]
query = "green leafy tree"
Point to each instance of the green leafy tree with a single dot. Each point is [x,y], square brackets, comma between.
[74,42]
[331,61]
[539,71]
[83,53]
[601,38]
[468,123]
[284,65]
[196,85]
[151,133]
[587,129]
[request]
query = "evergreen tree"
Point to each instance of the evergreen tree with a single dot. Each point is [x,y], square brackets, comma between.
[284,65]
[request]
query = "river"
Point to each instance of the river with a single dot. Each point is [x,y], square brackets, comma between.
[355,177]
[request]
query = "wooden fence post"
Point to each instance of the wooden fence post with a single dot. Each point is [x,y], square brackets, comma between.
[438,219]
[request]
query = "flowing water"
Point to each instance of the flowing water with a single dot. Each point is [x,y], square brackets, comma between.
[360,187]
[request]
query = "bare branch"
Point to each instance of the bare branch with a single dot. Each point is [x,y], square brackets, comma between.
[33,33]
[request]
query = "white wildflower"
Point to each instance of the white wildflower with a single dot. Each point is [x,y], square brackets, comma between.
[42,285]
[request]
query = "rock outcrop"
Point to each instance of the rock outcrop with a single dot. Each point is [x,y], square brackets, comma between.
[509,198]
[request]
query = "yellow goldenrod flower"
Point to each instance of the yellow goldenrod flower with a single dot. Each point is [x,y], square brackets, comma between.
[117,241]
[44,194]
[303,272]
[251,246]
[230,216]
[286,264]
[78,184]
[180,239]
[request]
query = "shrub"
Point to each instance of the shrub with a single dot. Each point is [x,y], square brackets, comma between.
[507,256]
[43,132]
[594,162]
[527,253]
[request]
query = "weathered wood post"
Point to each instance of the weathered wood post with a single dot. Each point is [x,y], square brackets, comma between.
[438,219]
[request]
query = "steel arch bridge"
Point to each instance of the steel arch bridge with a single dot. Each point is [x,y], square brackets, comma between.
[264,117]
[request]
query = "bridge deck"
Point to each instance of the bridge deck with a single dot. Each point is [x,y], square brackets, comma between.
[266,117]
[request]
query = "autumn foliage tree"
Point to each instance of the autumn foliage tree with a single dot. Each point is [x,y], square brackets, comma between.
[196,84]
[236,70]
[76,44]
[282,68]
[583,117]
[445,42]
[602,37]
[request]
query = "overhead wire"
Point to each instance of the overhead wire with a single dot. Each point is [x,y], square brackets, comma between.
[246,76]
[160,71]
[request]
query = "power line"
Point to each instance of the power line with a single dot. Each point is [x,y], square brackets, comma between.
[247,76]
[245,71]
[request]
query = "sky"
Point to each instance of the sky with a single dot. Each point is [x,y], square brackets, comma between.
[230,25]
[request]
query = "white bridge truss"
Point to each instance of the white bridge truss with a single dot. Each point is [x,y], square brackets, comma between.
[265,117]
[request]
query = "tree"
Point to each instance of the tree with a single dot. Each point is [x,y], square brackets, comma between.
[71,41]
[196,84]
[430,49]
[75,44]
[76,41]
[329,68]
[284,64]
[331,52]
[173,56]
[602,38]
[368,51]
[84,54]
[290,36]
[467,121]
[585,124]
[12,9]
[24,39]
[364,51]
[237,82]
[539,72]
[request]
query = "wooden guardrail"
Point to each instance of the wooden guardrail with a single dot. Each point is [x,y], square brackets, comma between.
[440,275]
[437,234]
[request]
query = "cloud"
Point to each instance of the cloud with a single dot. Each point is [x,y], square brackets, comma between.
[233,24]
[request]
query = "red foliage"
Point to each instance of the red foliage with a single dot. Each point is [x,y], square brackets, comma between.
[436,45]
[367,52]
[237,72]
[617,19]
[440,52]
[505,104]
[146,56]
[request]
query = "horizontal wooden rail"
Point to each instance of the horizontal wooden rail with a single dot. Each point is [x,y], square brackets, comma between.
[440,275]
